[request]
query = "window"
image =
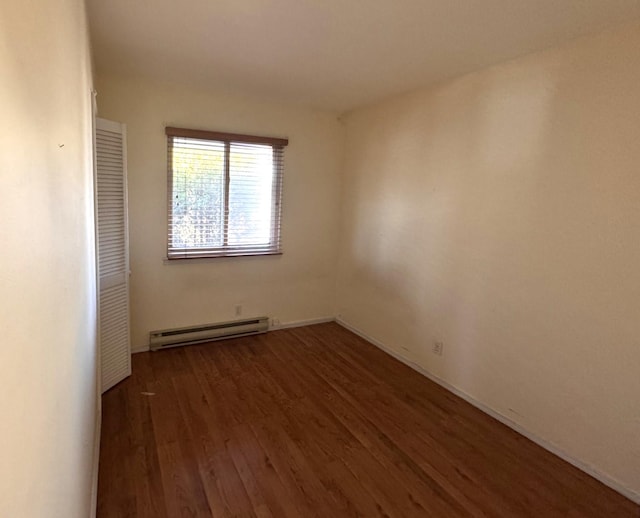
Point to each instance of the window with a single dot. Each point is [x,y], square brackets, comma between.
[224,194]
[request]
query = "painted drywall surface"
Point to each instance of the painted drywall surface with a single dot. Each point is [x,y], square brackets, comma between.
[500,213]
[47,269]
[298,285]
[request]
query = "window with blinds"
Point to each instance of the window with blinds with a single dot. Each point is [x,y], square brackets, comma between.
[224,194]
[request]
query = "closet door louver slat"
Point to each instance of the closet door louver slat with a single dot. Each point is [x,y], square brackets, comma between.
[113,260]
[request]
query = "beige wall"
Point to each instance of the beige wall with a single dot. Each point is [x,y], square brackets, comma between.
[298,285]
[500,213]
[47,295]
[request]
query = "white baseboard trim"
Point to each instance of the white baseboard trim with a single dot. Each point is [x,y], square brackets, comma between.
[285,325]
[301,323]
[96,459]
[590,470]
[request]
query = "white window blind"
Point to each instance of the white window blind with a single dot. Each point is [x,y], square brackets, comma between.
[224,194]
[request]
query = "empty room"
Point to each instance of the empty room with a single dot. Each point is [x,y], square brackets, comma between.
[320,259]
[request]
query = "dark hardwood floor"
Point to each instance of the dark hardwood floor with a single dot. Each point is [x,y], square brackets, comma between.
[316,422]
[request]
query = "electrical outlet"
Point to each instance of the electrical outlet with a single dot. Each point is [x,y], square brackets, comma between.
[275,322]
[238,310]
[438,348]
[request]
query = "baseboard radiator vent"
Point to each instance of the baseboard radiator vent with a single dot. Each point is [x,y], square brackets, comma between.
[206,333]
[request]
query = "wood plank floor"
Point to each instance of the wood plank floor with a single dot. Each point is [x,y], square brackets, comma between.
[316,422]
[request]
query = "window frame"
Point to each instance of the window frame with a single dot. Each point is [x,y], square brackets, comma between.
[274,247]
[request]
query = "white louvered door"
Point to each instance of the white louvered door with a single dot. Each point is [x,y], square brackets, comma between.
[113,252]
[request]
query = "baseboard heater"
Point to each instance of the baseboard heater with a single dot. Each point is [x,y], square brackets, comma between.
[206,333]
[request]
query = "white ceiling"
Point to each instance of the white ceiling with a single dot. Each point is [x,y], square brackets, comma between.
[331,54]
